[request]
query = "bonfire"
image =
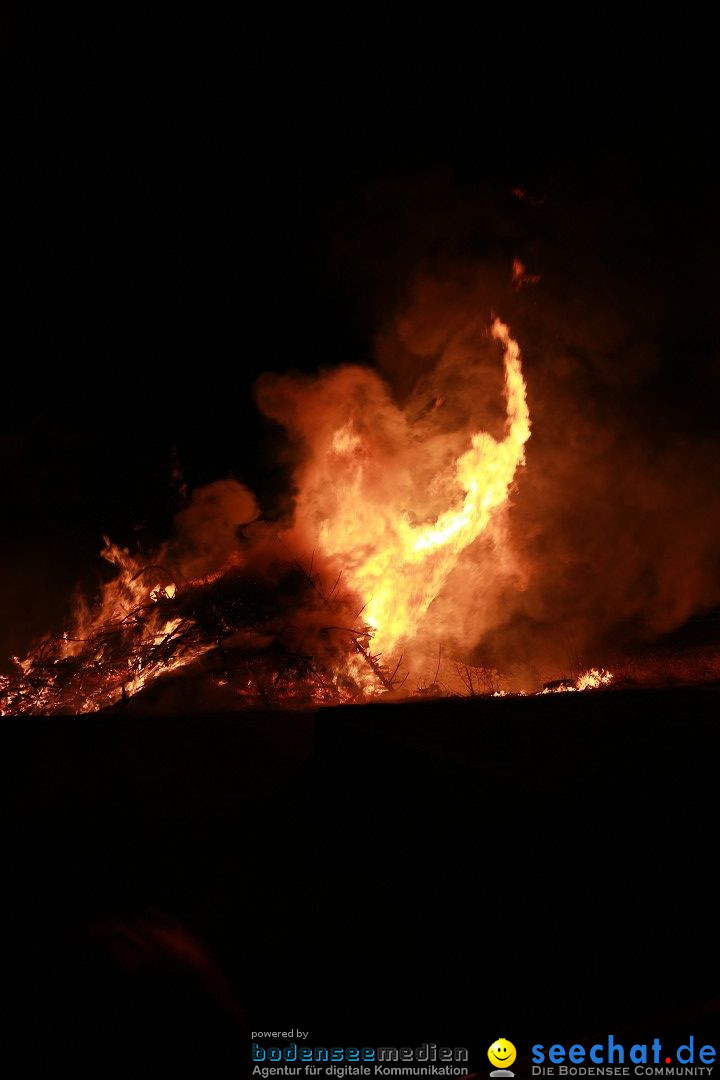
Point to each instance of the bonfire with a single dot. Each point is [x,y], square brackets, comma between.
[254,615]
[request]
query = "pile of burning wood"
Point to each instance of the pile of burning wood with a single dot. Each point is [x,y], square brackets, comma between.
[291,644]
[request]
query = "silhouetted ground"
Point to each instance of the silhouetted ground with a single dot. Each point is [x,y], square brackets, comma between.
[451,870]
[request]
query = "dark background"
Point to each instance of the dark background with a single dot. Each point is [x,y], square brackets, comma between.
[179,182]
[380,875]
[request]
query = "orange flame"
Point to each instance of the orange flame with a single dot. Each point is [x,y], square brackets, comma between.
[593,679]
[398,566]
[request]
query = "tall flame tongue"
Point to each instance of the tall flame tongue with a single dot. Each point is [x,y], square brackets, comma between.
[397,566]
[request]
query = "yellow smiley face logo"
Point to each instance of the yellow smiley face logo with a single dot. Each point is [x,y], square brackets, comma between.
[502,1053]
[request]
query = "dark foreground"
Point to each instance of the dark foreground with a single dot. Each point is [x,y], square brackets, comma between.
[543,869]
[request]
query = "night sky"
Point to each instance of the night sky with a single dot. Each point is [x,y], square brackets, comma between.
[196,196]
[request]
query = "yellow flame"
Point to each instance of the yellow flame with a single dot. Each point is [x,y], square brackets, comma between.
[593,679]
[399,567]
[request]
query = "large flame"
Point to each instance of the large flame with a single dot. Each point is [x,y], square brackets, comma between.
[398,565]
[392,532]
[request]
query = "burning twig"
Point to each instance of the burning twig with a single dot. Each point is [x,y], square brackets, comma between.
[373,662]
